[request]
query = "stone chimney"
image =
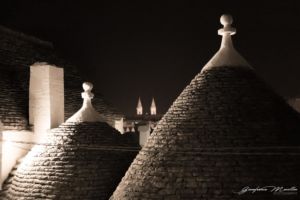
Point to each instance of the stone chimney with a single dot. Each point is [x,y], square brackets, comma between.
[46,97]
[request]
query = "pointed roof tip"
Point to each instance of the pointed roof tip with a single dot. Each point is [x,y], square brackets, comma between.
[139,103]
[226,55]
[86,113]
[153,102]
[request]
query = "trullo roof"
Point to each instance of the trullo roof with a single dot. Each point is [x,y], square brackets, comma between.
[227,130]
[83,158]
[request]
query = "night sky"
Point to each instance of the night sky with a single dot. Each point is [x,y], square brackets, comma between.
[146,49]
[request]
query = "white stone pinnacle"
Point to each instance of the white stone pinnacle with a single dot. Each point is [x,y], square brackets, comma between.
[139,107]
[227,55]
[153,102]
[87,113]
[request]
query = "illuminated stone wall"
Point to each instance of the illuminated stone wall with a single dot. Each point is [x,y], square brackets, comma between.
[15,145]
[46,97]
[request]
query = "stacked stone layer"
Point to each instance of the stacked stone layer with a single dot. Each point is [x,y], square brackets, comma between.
[227,130]
[17,53]
[78,161]
[12,98]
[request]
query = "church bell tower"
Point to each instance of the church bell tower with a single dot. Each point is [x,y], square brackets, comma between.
[153,107]
[139,107]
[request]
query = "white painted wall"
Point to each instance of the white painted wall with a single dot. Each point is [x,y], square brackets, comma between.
[144,131]
[119,125]
[15,145]
[46,97]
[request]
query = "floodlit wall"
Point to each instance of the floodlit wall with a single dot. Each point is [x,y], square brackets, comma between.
[46,97]
[14,145]
[119,125]
[144,133]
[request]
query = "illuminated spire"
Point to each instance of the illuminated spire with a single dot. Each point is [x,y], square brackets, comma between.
[139,107]
[227,55]
[153,107]
[87,113]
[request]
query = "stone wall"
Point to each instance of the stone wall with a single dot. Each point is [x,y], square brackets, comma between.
[13,100]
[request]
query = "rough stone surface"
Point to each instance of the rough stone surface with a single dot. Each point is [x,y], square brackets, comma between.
[77,161]
[227,130]
[13,112]
[17,53]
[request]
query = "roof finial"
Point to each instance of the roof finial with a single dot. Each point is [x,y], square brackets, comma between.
[87,113]
[226,31]
[226,21]
[87,94]
[227,55]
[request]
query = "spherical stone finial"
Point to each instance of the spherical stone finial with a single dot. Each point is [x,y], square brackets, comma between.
[87,86]
[226,20]
[87,113]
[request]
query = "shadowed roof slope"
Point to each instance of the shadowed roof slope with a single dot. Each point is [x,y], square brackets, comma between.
[227,130]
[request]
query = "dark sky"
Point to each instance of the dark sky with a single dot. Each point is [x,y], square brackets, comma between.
[146,49]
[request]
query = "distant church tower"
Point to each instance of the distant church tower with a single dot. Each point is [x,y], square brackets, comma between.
[153,107]
[139,107]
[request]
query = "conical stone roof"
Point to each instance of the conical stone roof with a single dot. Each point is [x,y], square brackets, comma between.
[227,130]
[82,159]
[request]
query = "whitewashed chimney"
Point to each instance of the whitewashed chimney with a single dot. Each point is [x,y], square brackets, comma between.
[46,97]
